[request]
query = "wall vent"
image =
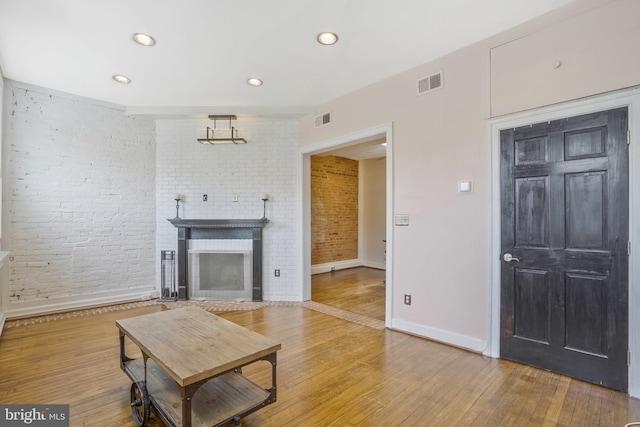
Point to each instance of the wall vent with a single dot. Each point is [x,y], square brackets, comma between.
[430,83]
[323,119]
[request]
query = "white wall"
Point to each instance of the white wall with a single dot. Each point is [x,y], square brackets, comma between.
[1,163]
[80,201]
[437,141]
[4,284]
[440,138]
[268,163]
[553,64]
[373,173]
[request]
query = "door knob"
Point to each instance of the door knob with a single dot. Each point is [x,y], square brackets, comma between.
[508,258]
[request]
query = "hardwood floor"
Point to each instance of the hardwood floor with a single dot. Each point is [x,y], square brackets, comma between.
[331,372]
[360,290]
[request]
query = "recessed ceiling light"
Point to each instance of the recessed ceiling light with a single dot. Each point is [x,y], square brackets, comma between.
[327,38]
[121,79]
[144,39]
[254,82]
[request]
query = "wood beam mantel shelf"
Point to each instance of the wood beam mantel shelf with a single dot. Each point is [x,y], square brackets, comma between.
[219,229]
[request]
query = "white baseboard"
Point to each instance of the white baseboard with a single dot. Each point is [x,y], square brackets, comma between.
[376,265]
[440,335]
[35,308]
[338,265]
[343,265]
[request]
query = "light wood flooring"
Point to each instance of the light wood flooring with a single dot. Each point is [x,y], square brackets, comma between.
[359,290]
[331,372]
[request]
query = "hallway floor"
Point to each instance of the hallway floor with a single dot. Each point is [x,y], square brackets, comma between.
[360,290]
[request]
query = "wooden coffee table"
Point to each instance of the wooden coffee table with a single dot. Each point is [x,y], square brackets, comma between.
[190,371]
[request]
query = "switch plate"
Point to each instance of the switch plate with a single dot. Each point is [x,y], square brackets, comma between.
[235,197]
[205,197]
[465,186]
[402,219]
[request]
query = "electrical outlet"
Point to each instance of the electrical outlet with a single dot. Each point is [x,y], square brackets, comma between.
[407,299]
[205,197]
[276,273]
[235,197]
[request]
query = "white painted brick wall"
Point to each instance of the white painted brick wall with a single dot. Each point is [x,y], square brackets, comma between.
[268,163]
[80,196]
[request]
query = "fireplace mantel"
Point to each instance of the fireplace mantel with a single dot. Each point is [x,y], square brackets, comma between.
[189,229]
[218,223]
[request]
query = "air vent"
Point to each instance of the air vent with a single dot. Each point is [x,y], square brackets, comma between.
[323,119]
[432,82]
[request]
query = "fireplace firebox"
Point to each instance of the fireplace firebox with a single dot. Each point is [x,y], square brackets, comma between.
[190,229]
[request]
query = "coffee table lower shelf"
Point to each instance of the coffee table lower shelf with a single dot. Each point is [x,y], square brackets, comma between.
[217,402]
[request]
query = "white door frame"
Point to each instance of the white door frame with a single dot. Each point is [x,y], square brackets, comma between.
[382,131]
[624,98]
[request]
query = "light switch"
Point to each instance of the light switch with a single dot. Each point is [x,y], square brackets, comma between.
[464,186]
[402,219]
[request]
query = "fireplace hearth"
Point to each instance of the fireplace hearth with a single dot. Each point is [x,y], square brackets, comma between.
[190,229]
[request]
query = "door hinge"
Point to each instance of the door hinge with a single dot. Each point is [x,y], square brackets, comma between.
[628,358]
[629,247]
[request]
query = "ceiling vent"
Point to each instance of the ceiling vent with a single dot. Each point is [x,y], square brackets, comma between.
[323,119]
[430,83]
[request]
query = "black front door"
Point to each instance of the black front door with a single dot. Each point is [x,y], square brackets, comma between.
[564,237]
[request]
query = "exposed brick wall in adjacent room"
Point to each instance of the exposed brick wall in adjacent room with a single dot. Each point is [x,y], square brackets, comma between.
[79,196]
[334,209]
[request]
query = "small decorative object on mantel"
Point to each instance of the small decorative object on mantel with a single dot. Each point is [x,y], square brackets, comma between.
[265,197]
[177,198]
[229,136]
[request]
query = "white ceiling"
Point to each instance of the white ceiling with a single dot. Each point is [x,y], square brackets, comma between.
[374,149]
[206,49]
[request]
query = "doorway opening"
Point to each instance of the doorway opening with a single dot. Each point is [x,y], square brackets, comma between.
[360,268]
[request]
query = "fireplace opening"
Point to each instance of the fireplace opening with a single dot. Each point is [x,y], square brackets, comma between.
[220,274]
[223,272]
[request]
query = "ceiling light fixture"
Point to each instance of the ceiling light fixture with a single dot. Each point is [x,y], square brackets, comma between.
[327,38]
[144,39]
[254,82]
[121,79]
[232,132]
